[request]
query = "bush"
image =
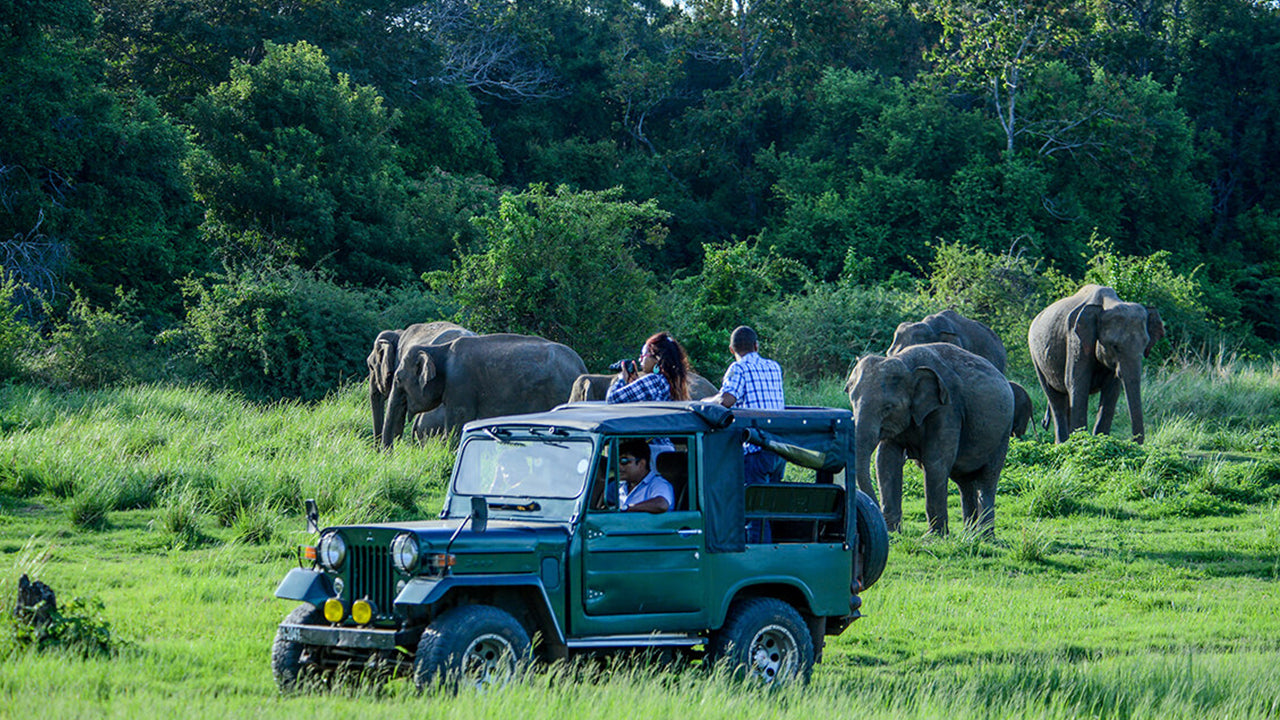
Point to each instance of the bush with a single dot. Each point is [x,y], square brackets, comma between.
[278,333]
[821,332]
[738,284]
[1053,495]
[1004,291]
[15,335]
[96,347]
[561,265]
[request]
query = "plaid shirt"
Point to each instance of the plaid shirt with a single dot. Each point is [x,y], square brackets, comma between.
[653,386]
[754,382]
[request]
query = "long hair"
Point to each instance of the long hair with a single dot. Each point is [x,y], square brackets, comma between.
[672,363]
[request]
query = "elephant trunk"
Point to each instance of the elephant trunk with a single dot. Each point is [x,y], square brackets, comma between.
[867,436]
[378,404]
[394,424]
[1132,381]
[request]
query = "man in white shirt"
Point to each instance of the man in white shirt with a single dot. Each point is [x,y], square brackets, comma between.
[643,489]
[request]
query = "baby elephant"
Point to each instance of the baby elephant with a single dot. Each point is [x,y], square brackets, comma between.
[944,407]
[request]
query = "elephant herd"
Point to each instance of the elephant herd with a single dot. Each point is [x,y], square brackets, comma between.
[938,396]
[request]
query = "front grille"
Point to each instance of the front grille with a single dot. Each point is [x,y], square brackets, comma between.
[371,576]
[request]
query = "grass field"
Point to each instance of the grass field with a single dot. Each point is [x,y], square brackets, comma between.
[1125,581]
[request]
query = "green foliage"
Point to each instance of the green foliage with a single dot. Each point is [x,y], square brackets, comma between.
[15,335]
[277,333]
[738,284]
[561,265]
[295,164]
[1152,281]
[96,347]
[77,628]
[823,331]
[1002,290]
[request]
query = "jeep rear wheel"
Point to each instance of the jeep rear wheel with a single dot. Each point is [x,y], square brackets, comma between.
[476,645]
[764,640]
[292,663]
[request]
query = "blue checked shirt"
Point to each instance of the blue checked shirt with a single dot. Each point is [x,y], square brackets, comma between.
[653,386]
[754,382]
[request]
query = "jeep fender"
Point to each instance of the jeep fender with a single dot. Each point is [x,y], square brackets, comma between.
[784,588]
[305,585]
[423,591]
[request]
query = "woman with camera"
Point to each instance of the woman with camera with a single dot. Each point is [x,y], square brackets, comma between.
[660,373]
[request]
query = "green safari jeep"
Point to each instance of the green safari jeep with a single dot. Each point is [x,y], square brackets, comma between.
[542,551]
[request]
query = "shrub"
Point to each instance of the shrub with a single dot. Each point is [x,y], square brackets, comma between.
[77,627]
[96,347]
[15,335]
[821,332]
[1004,291]
[561,265]
[89,506]
[738,283]
[277,333]
[1053,495]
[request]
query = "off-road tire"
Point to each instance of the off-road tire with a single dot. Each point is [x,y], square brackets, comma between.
[291,661]
[763,640]
[471,645]
[873,539]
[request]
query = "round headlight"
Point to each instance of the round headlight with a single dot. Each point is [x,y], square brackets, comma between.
[332,550]
[404,552]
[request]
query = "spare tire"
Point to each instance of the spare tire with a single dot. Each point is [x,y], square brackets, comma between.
[873,539]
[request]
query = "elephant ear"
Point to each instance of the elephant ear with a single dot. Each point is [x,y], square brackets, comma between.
[382,359]
[1082,326]
[425,366]
[1155,329]
[927,394]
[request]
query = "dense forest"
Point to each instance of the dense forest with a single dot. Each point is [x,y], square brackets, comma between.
[246,191]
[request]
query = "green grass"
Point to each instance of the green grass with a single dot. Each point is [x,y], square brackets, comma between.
[1124,582]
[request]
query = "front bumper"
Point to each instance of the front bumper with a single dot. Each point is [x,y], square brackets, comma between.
[341,637]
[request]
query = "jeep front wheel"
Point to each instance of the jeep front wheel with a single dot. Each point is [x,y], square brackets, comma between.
[477,645]
[765,640]
[291,661]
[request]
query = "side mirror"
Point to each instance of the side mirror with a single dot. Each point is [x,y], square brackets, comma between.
[479,513]
[313,516]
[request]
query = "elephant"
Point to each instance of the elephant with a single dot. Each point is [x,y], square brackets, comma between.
[595,387]
[1093,342]
[1023,409]
[480,376]
[950,326]
[386,356]
[944,407]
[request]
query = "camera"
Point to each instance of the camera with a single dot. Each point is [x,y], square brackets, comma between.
[628,365]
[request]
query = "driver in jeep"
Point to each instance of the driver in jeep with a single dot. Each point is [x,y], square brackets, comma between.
[643,489]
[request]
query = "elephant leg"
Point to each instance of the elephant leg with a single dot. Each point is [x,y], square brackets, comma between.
[428,424]
[935,496]
[890,458]
[969,509]
[1057,409]
[986,517]
[1107,406]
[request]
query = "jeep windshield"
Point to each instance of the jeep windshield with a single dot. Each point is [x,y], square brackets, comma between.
[526,476]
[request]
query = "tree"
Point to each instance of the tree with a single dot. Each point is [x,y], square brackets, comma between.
[992,45]
[91,184]
[298,165]
[561,265]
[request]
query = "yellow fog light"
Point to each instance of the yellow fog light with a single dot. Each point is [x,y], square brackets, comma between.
[333,610]
[362,611]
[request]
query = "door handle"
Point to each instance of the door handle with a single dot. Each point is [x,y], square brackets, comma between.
[688,532]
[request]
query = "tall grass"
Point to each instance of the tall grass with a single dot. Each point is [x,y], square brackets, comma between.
[137,447]
[1125,581]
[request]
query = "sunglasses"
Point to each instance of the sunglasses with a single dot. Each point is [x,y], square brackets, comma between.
[625,461]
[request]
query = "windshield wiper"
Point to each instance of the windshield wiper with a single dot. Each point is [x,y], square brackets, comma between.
[531,506]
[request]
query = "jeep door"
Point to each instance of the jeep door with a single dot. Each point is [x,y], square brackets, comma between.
[637,564]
